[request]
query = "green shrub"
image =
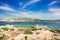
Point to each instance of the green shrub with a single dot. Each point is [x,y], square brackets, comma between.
[55,30]
[52,30]
[1,36]
[58,31]
[28,32]
[21,29]
[39,29]
[5,29]
[33,28]
[12,29]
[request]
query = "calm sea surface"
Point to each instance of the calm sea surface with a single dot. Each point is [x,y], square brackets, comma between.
[55,25]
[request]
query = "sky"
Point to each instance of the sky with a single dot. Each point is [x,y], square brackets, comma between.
[39,9]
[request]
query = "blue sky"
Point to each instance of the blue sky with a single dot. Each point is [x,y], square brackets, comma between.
[40,9]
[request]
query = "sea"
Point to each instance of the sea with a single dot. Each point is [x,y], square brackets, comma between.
[55,25]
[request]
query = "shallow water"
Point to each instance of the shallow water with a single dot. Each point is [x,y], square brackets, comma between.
[55,25]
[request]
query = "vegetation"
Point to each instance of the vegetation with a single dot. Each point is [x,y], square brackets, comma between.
[58,31]
[12,29]
[1,36]
[29,20]
[52,30]
[5,29]
[21,29]
[55,30]
[28,32]
[33,28]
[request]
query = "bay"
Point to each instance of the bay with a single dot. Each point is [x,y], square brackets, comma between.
[55,25]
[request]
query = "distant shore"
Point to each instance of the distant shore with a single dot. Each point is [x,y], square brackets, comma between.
[26,20]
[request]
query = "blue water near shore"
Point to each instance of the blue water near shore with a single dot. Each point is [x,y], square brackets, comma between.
[55,25]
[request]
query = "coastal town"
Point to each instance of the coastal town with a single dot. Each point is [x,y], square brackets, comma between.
[37,32]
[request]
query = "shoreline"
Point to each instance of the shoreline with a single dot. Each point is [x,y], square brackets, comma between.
[16,32]
[29,26]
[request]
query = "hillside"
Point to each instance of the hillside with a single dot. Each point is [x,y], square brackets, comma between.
[26,20]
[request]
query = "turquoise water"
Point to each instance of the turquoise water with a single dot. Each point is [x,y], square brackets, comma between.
[55,25]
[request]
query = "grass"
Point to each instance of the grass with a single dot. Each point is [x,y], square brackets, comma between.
[21,29]
[35,28]
[12,29]
[5,29]
[1,36]
[55,30]
[58,31]
[28,32]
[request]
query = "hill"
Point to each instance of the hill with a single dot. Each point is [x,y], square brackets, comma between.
[26,20]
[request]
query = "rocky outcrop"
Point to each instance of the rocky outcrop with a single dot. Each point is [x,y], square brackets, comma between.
[42,35]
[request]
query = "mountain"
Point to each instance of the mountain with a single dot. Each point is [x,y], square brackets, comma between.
[26,20]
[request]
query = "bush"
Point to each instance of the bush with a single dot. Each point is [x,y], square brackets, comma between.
[1,36]
[21,29]
[39,29]
[33,28]
[28,32]
[58,31]
[52,30]
[55,30]
[12,29]
[5,29]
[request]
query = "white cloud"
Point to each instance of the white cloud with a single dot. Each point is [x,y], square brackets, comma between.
[6,8]
[3,4]
[30,2]
[24,14]
[55,12]
[54,15]
[54,9]
[52,3]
